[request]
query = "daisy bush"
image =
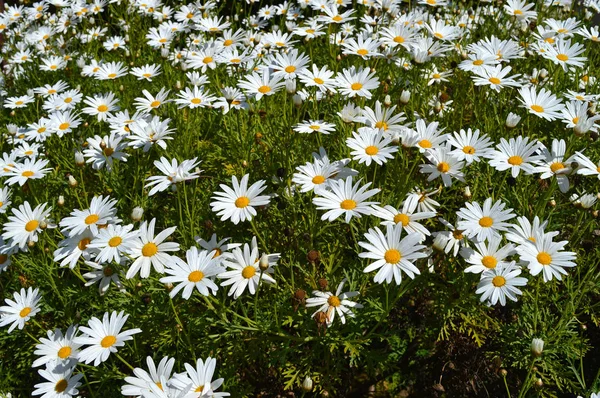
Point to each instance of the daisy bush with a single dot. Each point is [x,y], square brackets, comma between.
[294,198]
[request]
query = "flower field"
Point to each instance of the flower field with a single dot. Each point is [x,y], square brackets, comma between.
[304,198]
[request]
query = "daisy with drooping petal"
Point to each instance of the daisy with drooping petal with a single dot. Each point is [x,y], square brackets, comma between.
[543,255]
[516,155]
[104,274]
[146,72]
[140,384]
[495,77]
[482,223]
[331,304]
[174,173]
[316,175]
[499,283]
[217,246]
[24,307]
[58,350]
[525,231]
[371,144]
[345,198]
[520,9]
[244,270]
[487,256]
[194,98]
[147,132]
[365,48]
[200,379]
[60,383]
[102,151]
[392,255]
[238,203]
[150,251]
[70,250]
[113,242]
[586,166]
[543,104]
[102,211]
[320,78]
[5,202]
[408,217]
[24,224]
[428,136]
[197,272]
[103,337]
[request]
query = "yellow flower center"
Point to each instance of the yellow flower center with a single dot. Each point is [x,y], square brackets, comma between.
[290,69]
[149,249]
[337,18]
[163,40]
[402,218]
[371,150]
[486,222]
[436,75]
[102,108]
[159,385]
[31,225]
[356,86]
[24,312]
[556,166]
[515,160]
[317,180]
[64,126]
[544,258]
[478,62]
[199,389]
[457,234]
[64,352]
[537,108]
[334,301]
[91,219]
[499,281]
[518,12]
[392,256]
[264,89]
[248,272]
[27,173]
[314,127]
[112,75]
[19,103]
[68,100]
[468,149]
[61,385]
[196,101]
[425,144]
[318,80]
[242,202]
[489,261]
[381,125]
[115,241]
[494,80]
[155,104]
[438,35]
[41,130]
[348,204]
[227,42]
[443,167]
[108,151]
[83,243]
[207,60]
[362,51]
[108,341]
[562,57]
[398,39]
[195,276]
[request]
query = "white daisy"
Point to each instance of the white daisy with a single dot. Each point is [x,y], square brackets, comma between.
[345,198]
[238,203]
[24,307]
[197,272]
[150,251]
[499,283]
[484,223]
[331,304]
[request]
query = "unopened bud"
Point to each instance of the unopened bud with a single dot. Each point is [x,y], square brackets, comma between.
[297,100]
[503,372]
[137,213]
[387,101]
[512,120]
[405,96]
[102,144]
[263,264]
[537,347]
[43,224]
[79,160]
[178,85]
[61,201]
[72,181]
[121,88]
[307,384]
[467,192]
[290,86]
[539,383]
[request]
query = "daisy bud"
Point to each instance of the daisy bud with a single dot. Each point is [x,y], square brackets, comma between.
[552,203]
[512,120]
[12,129]
[31,243]
[537,347]
[405,96]
[290,86]
[322,284]
[178,85]
[297,100]
[307,384]
[503,372]
[467,192]
[86,124]
[72,181]
[61,201]
[164,52]
[244,164]
[184,66]
[43,224]
[102,145]
[539,383]
[543,73]
[439,242]
[137,213]
[30,92]
[338,58]
[263,264]
[12,113]
[92,20]
[169,286]
[236,18]
[79,160]
[595,213]
[160,18]
[387,101]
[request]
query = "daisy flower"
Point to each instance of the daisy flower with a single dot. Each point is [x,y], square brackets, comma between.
[553,163]
[365,48]
[70,250]
[140,384]
[435,76]
[103,337]
[520,9]
[238,203]
[356,82]
[5,202]
[244,270]
[408,217]
[24,224]
[525,231]
[314,126]
[110,71]
[58,350]
[470,146]
[173,173]
[151,102]
[320,78]
[543,255]
[443,165]
[18,102]
[146,72]
[392,255]
[484,223]
[422,199]
[104,274]
[101,106]
[586,166]
[200,379]
[59,383]
[371,144]
[194,98]
[290,65]
[24,307]
[487,256]
[382,118]
[565,54]
[331,304]
[316,175]
[148,250]
[147,132]
[113,242]
[258,85]
[495,77]
[543,104]
[64,122]
[217,246]
[197,272]
[232,98]
[20,173]
[516,155]
[102,151]
[101,212]
[500,283]
[345,198]
[428,136]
